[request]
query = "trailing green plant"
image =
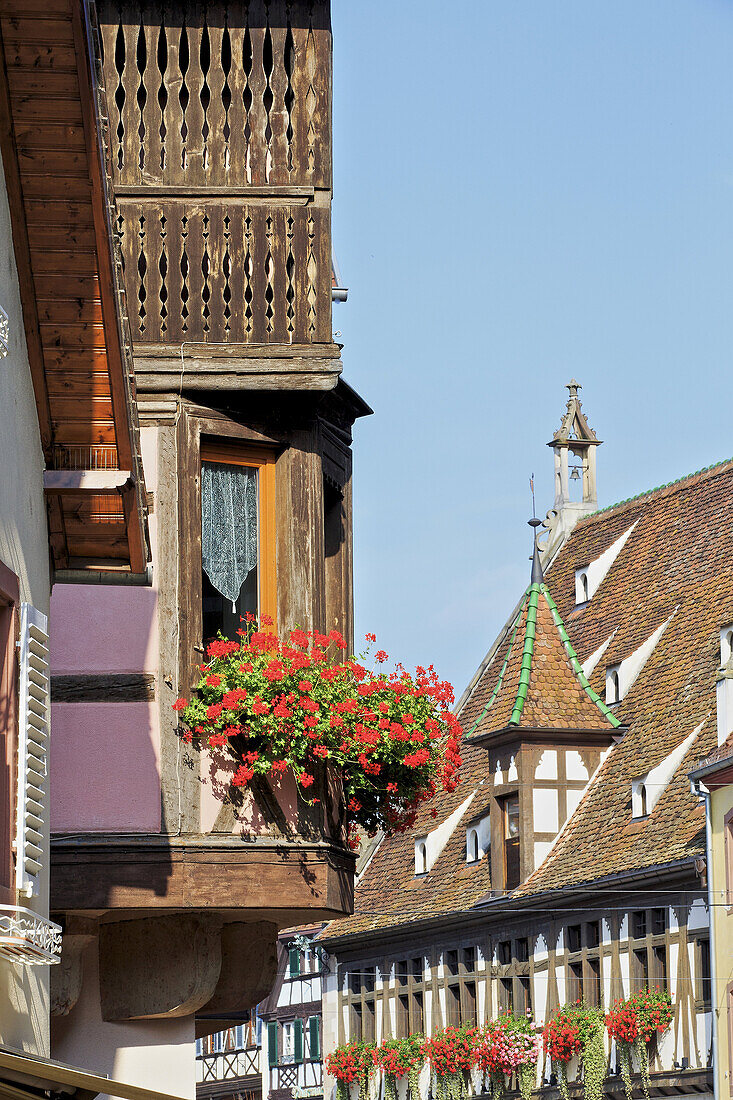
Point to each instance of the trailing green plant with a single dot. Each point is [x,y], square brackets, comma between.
[577,1030]
[632,1024]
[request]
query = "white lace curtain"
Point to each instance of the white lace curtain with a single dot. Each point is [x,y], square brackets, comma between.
[228,525]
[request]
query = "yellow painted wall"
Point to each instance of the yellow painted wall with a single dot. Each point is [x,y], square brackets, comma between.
[721,802]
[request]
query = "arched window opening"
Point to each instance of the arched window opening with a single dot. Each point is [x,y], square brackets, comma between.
[613,685]
[473,846]
[421,858]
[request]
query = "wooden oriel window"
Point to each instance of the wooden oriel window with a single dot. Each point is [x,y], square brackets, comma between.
[9,600]
[238,536]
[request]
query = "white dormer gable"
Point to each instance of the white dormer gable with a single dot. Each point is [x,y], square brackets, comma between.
[478,839]
[724,685]
[428,848]
[590,662]
[589,579]
[620,677]
[646,790]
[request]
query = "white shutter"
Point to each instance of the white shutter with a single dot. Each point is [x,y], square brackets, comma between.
[32,748]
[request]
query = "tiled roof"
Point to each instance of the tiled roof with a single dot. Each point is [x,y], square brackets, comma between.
[677,565]
[540,684]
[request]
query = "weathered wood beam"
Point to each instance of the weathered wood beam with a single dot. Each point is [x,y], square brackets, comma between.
[154,191]
[117,687]
[229,379]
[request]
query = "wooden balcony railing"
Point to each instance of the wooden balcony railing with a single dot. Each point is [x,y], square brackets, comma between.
[218,141]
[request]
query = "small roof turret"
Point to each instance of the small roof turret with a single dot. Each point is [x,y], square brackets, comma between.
[540,685]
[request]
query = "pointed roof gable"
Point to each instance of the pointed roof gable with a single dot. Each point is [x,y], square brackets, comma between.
[574,427]
[540,683]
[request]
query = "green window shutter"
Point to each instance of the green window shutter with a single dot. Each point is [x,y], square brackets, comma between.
[294,962]
[298,1044]
[314,1025]
[272,1044]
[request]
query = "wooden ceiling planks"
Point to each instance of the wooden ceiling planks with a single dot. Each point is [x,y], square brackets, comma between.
[54,174]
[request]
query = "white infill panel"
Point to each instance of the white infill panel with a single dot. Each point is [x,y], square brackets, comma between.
[32,748]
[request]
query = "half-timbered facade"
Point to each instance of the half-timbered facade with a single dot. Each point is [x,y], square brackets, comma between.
[292,1068]
[569,863]
[276,1055]
[229,1062]
[169,185]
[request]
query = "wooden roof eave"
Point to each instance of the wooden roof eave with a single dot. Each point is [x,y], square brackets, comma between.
[58,417]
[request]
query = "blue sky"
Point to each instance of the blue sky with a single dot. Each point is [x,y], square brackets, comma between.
[525,191]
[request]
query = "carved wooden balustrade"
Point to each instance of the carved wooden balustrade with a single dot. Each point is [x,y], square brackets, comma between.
[218,142]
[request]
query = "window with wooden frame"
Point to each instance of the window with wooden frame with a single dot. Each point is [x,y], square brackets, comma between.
[510,830]
[362,1002]
[238,569]
[9,600]
[648,947]
[592,991]
[575,981]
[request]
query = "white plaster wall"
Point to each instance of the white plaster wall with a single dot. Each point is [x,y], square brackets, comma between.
[329,1026]
[23,529]
[698,918]
[379,1015]
[574,766]
[23,549]
[625,975]
[606,979]
[573,797]
[157,1054]
[541,992]
[541,848]
[545,810]
[547,767]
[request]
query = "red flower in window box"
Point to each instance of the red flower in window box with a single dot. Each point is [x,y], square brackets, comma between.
[366,723]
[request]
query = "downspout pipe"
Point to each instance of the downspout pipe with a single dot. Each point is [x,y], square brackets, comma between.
[703,793]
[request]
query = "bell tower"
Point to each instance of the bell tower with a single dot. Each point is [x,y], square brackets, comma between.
[573,438]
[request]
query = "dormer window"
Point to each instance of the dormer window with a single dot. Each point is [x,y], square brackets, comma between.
[581,585]
[639,797]
[726,645]
[421,856]
[478,838]
[613,684]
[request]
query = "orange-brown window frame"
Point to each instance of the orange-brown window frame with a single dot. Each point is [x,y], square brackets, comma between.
[263,460]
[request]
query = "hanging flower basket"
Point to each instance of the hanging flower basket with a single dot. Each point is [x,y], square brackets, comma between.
[576,1030]
[400,1057]
[299,702]
[349,1063]
[633,1023]
[507,1047]
[451,1056]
